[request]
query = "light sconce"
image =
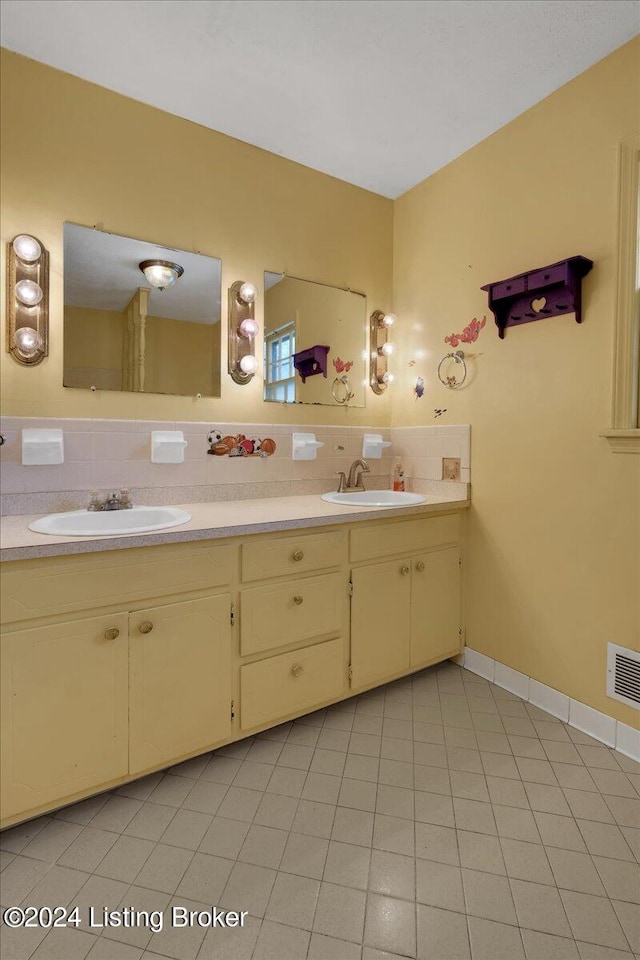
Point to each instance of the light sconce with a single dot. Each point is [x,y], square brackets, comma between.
[381,349]
[27,300]
[161,273]
[243,329]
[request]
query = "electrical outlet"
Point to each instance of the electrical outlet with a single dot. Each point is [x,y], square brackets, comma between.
[451,468]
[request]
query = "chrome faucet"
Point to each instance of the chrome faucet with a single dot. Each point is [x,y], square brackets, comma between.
[114,501]
[354,484]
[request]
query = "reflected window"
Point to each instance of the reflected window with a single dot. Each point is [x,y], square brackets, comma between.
[279,374]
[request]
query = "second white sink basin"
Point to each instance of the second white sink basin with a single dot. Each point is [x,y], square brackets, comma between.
[375,498]
[109,523]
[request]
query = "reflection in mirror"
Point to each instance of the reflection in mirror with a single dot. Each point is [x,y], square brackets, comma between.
[153,328]
[314,342]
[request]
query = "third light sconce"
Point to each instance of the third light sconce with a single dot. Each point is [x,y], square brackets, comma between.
[380,350]
[243,329]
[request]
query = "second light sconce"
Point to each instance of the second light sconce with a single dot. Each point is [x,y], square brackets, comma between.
[381,349]
[243,329]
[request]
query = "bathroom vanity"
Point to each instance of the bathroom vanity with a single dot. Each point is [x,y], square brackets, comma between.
[122,656]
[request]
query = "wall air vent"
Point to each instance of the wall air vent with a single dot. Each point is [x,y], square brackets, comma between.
[623,675]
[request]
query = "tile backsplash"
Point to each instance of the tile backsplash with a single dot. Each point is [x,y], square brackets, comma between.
[110,454]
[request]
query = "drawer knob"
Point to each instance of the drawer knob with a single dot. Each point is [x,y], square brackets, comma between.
[405,570]
[419,566]
[297,670]
[298,555]
[146,626]
[297,601]
[112,633]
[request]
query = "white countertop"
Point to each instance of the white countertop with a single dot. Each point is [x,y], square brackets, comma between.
[211,521]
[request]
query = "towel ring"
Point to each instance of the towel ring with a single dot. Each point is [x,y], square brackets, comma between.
[452,382]
[341,389]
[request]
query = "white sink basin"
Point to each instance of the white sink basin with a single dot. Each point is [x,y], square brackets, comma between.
[375,498]
[109,523]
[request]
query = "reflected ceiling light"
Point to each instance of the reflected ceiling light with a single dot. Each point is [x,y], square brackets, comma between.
[26,248]
[161,273]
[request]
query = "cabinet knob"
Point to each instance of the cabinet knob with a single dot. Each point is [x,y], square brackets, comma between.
[146,626]
[419,566]
[297,601]
[297,670]
[298,555]
[112,633]
[405,570]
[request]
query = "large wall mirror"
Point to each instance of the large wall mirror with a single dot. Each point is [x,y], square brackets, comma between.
[139,317]
[315,343]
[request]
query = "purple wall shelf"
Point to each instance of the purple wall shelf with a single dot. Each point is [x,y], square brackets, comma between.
[544,292]
[312,361]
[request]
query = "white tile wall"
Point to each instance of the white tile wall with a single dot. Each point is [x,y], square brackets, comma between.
[104,454]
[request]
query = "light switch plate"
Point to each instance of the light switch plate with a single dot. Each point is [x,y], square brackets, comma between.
[451,468]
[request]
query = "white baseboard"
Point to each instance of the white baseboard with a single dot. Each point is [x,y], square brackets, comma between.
[595,724]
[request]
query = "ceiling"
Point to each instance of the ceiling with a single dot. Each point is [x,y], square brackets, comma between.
[101,271]
[380,93]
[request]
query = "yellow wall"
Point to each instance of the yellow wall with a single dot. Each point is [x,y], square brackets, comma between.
[553,569]
[97,158]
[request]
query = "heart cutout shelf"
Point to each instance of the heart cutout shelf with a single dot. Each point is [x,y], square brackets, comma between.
[544,292]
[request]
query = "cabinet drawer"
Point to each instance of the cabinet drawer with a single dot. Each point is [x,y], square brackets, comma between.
[298,610]
[548,277]
[292,555]
[389,539]
[291,683]
[508,288]
[39,588]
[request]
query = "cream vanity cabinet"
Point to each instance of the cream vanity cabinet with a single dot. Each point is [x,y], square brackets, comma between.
[118,663]
[99,685]
[405,611]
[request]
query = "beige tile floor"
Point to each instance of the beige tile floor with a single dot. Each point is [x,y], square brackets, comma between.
[438,817]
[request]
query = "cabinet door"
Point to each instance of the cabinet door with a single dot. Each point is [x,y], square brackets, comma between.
[64,710]
[180,680]
[435,606]
[380,621]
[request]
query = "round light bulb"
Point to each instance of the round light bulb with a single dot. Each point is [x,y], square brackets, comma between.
[386,378]
[28,341]
[386,349]
[28,293]
[248,293]
[27,248]
[248,327]
[249,364]
[388,320]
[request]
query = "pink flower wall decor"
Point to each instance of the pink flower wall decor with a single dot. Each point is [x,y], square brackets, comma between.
[469,335]
[342,366]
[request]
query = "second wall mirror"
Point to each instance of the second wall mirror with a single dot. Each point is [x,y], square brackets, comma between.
[315,342]
[139,317]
